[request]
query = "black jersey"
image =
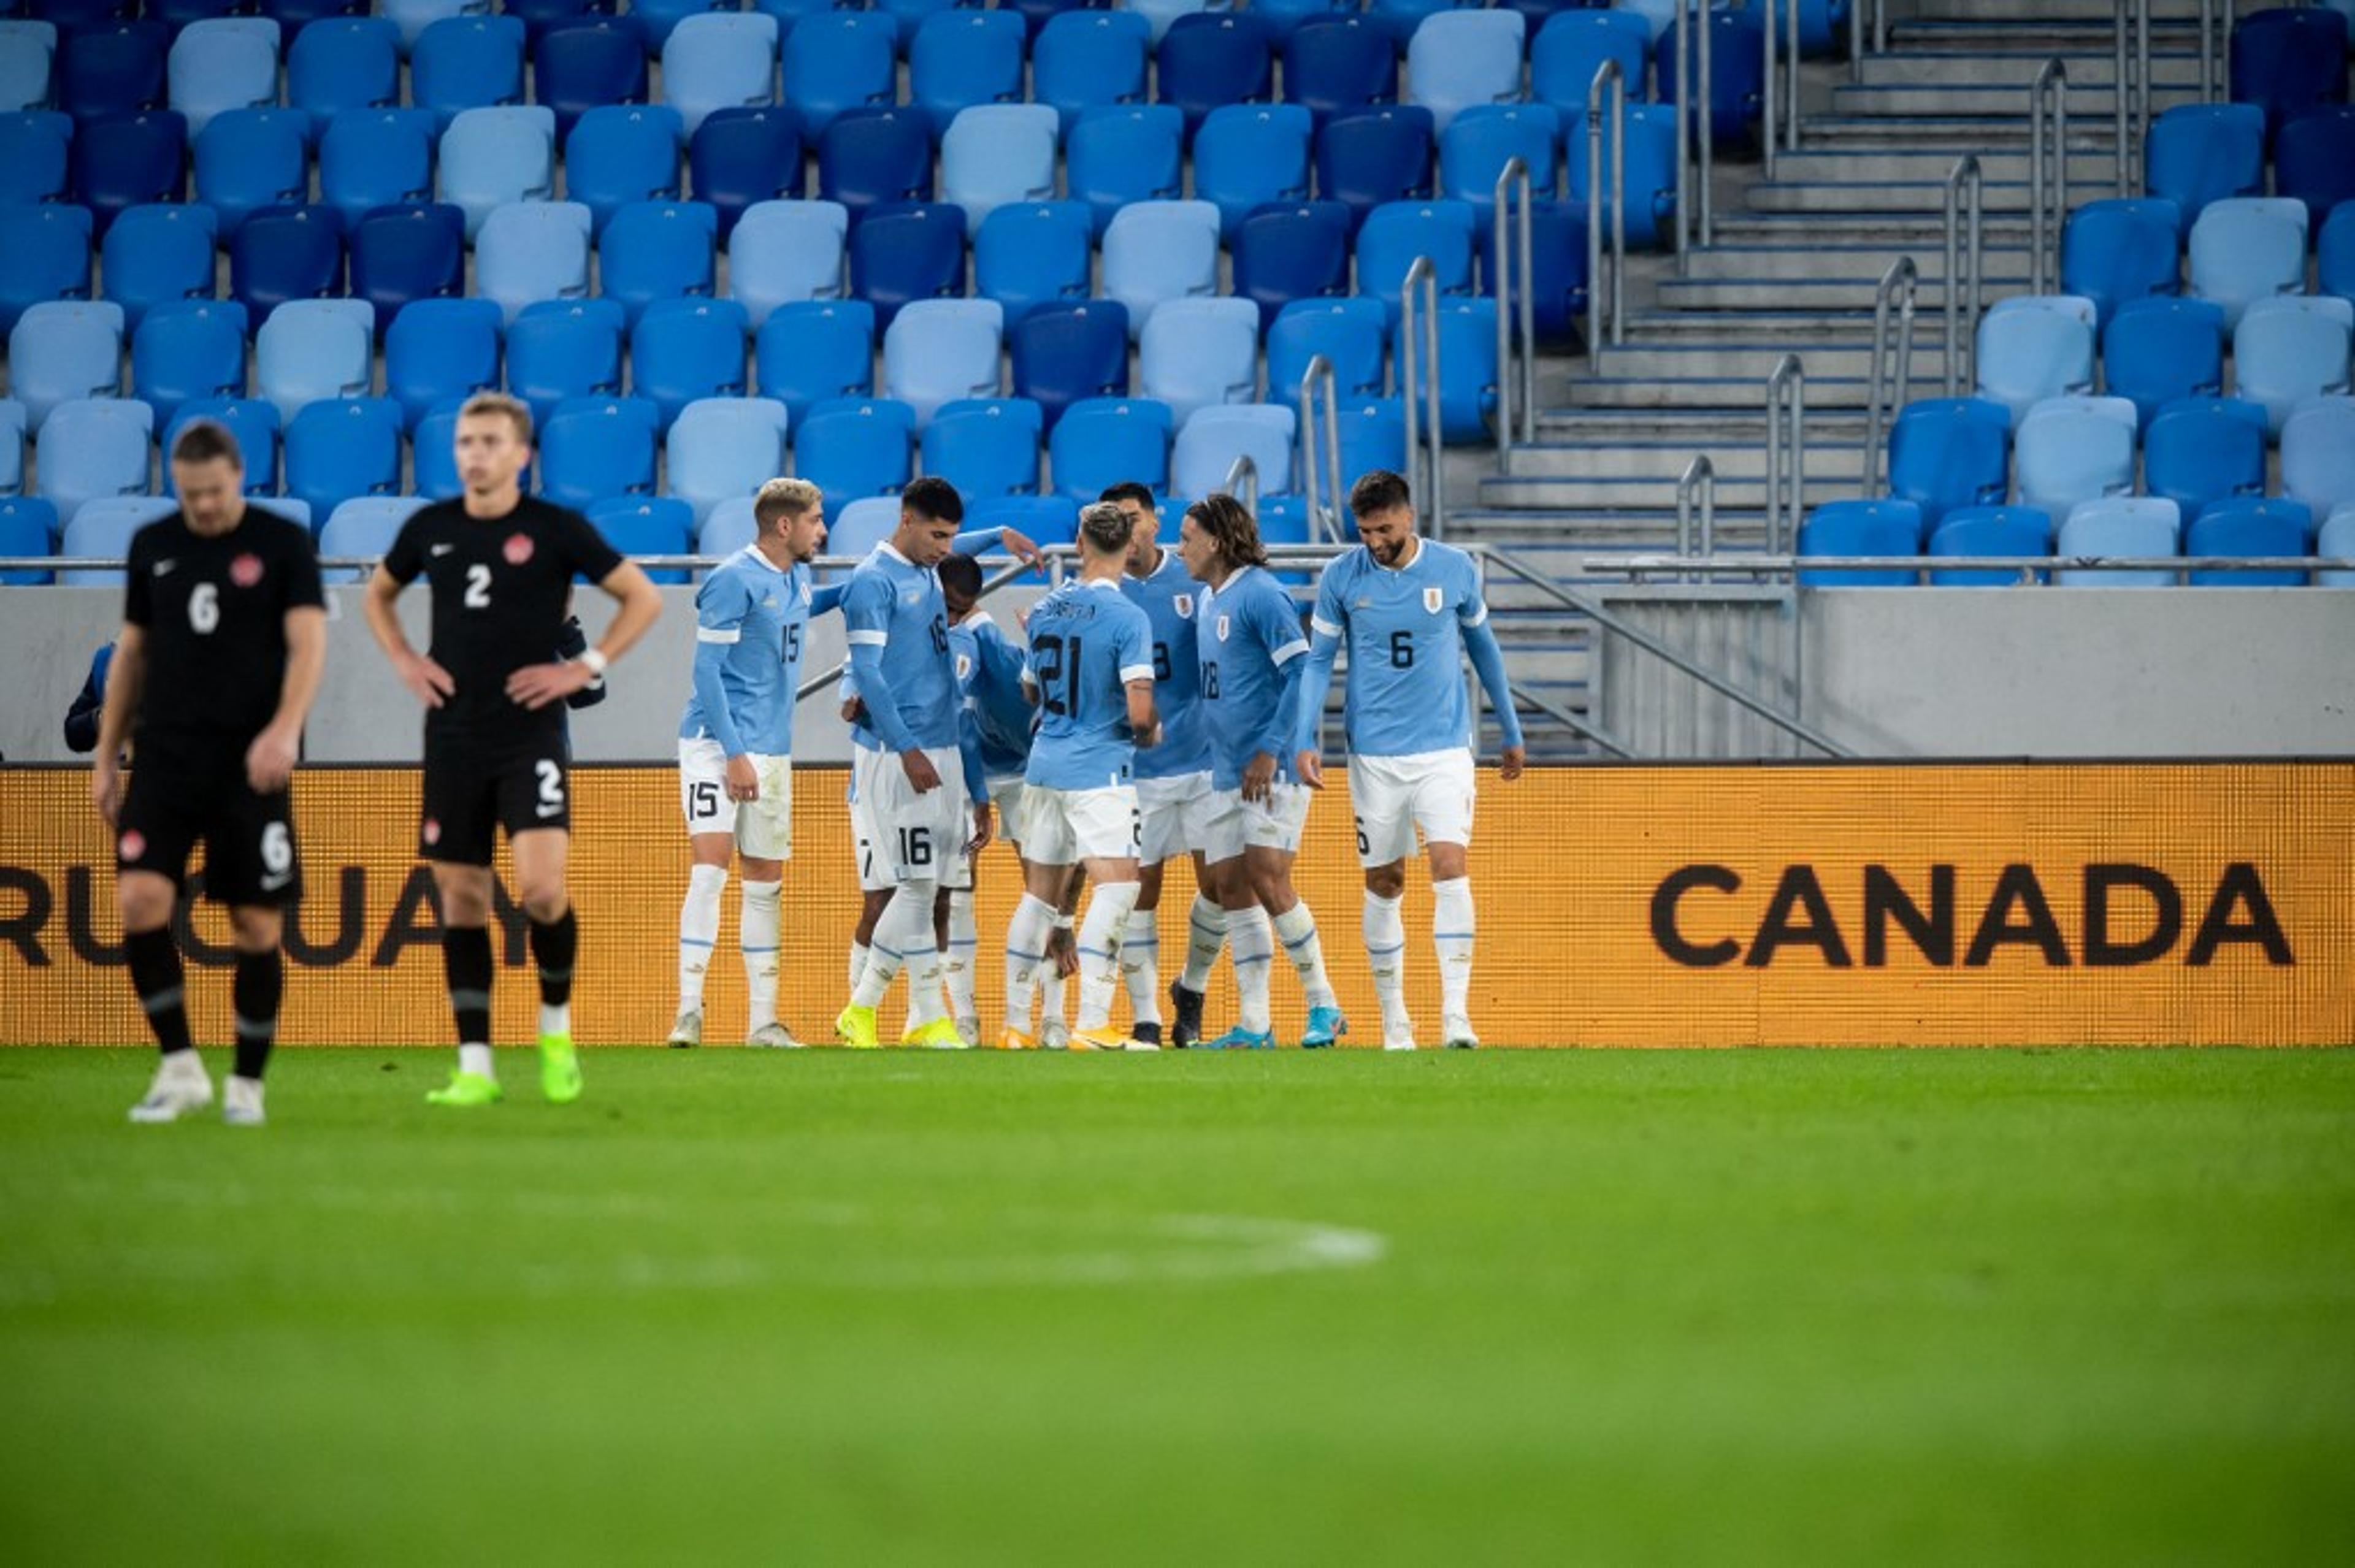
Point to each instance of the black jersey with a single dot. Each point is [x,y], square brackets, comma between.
[500,586]
[213,614]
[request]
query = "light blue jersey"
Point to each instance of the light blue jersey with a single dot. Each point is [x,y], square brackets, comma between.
[1166,595]
[1248,642]
[899,634]
[1407,631]
[989,673]
[749,616]
[1087,642]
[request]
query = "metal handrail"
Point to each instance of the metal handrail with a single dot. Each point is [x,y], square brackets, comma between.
[1685,96]
[1787,445]
[1242,481]
[2130,110]
[2035,569]
[1789,96]
[2048,169]
[1856,39]
[1323,517]
[1963,260]
[1515,314]
[1607,74]
[1700,478]
[1767,103]
[2212,40]
[1902,283]
[1431,483]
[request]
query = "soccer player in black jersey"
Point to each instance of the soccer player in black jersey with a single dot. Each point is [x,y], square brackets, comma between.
[224,636]
[500,565]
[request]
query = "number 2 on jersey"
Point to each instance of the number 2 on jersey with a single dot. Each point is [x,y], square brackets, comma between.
[478,587]
[1059,676]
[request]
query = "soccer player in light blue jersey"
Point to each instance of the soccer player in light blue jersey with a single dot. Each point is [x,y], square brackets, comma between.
[1408,610]
[1091,668]
[736,742]
[1249,649]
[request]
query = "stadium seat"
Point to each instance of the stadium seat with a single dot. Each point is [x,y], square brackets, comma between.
[2201,450]
[1373,435]
[102,527]
[2114,252]
[1459,59]
[433,457]
[2035,346]
[247,159]
[596,62]
[1885,528]
[559,349]
[1467,380]
[1989,530]
[251,420]
[2318,455]
[2073,449]
[28,56]
[738,157]
[2248,248]
[1210,58]
[403,253]
[2199,153]
[1197,353]
[1351,334]
[723,449]
[874,157]
[2285,60]
[1558,252]
[938,351]
[657,250]
[344,448]
[1950,454]
[997,154]
[187,349]
[1160,14]
[222,63]
[1295,252]
[1339,63]
[1100,442]
[11,446]
[1397,234]
[621,153]
[836,60]
[309,349]
[1037,14]
[2250,526]
[364,529]
[1160,251]
[1572,47]
[341,63]
[648,525]
[1122,154]
[117,68]
[1479,143]
[593,448]
[1374,155]
[1060,354]
[413,17]
[156,253]
[2314,160]
[685,350]
[100,448]
[1088,59]
[787,251]
[962,59]
[1248,154]
[60,350]
[986,447]
[1651,173]
[121,161]
[283,254]
[532,251]
[28,525]
[852,447]
[33,155]
[492,157]
[1213,439]
[466,62]
[2337,541]
[2289,350]
[2156,350]
[1033,254]
[728,527]
[908,250]
[809,352]
[858,528]
[2127,526]
[376,158]
[1044,519]
[441,349]
[655,19]
[1737,40]
[720,60]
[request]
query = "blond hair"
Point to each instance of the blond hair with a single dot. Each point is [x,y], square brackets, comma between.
[782,499]
[493,405]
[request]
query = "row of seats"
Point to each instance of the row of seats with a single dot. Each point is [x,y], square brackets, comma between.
[2195,154]
[2239,250]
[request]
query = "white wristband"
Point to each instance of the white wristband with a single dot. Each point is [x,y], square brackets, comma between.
[595,661]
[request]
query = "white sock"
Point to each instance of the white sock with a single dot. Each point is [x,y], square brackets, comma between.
[905,926]
[965,942]
[927,1001]
[1451,932]
[1099,940]
[555,1017]
[477,1059]
[859,955]
[1296,929]
[1206,933]
[1140,966]
[699,928]
[1254,948]
[1385,929]
[1050,979]
[756,933]
[1026,954]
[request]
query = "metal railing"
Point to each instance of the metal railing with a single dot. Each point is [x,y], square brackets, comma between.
[1964,258]
[2131,110]
[1242,481]
[1693,193]
[1892,364]
[1606,75]
[2213,38]
[2033,571]
[1325,506]
[1855,35]
[1786,447]
[2048,172]
[1517,377]
[1699,481]
[1426,472]
[1787,98]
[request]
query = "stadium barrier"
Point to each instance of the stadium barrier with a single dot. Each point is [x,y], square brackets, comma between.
[1842,904]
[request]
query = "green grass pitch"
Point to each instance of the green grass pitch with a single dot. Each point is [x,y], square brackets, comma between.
[1593,1307]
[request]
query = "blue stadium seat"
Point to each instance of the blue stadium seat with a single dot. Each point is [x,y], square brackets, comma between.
[1351,334]
[2200,450]
[2073,449]
[1338,64]
[685,350]
[1467,379]
[2318,455]
[997,154]
[1038,13]
[725,448]
[728,527]
[1195,353]
[1284,18]
[309,349]
[101,448]
[1088,59]
[11,446]
[1475,146]
[114,70]
[986,447]
[2156,350]
[1459,59]
[28,525]
[2336,540]
[33,152]
[1045,520]
[1247,155]
[812,351]
[908,18]
[1209,58]
[364,527]
[1884,527]
[1403,16]
[411,17]
[1738,74]
[1160,14]
[908,250]
[721,59]
[60,350]
[434,458]
[121,161]
[565,348]
[1572,47]
[621,153]
[939,351]
[2199,153]
[2285,60]
[247,159]
[1397,233]
[283,254]
[787,251]
[738,157]
[856,528]
[851,447]
[1160,251]
[961,58]
[1212,439]
[648,525]
[254,425]
[1558,254]
[592,63]
[1122,155]
[1295,252]
[1989,530]
[441,349]
[403,253]
[1060,354]
[874,157]
[2248,248]
[1651,173]
[2249,526]
[104,526]
[657,250]
[222,63]
[1375,155]
[2287,351]
[2113,252]
[341,449]
[2035,346]
[655,19]
[1034,253]
[27,52]
[1950,454]
[2128,525]
[344,62]
[593,448]
[376,158]
[156,253]
[836,60]
[492,157]
[532,251]
[466,62]
[2314,160]
[1373,435]
[1100,441]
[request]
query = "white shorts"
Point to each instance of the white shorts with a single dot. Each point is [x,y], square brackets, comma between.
[1065,826]
[902,836]
[1393,797]
[1273,823]
[1175,813]
[763,828]
[1006,800]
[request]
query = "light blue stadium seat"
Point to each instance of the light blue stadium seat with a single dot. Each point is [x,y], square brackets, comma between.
[531,251]
[60,350]
[2073,449]
[11,446]
[851,447]
[593,448]
[102,527]
[2317,455]
[1089,59]
[836,60]
[1195,353]
[860,525]
[364,527]
[247,159]
[811,351]
[1208,59]
[309,349]
[2033,348]
[2248,248]
[906,252]
[2199,153]
[342,449]
[222,63]
[47,258]
[1351,334]
[1061,354]
[1479,143]
[2156,350]
[621,153]
[254,425]
[721,59]
[1100,441]
[492,156]
[1339,61]
[100,449]
[565,348]
[1949,454]
[1397,233]
[961,58]
[1122,155]
[403,253]
[994,154]
[728,527]
[939,351]
[1572,47]
[34,145]
[725,449]
[2249,526]
[682,350]
[589,63]
[2116,252]
[2337,541]
[27,50]
[344,62]
[442,348]
[157,252]
[1159,250]
[783,251]
[411,17]
[1213,438]
[466,62]
[738,157]
[1247,155]
[1459,59]
[1989,530]
[655,19]
[433,457]
[1885,528]
[648,525]
[2128,525]
[1034,253]
[986,447]
[657,250]
[376,158]
[2291,349]
[2203,450]
[28,525]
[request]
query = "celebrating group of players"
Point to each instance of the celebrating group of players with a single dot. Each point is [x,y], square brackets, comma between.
[1161,706]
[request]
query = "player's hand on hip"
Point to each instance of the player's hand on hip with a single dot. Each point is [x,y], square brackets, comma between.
[269,760]
[744,779]
[106,788]
[427,681]
[1515,758]
[920,769]
[535,686]
[1258,775]
[984,819]
[1310,767]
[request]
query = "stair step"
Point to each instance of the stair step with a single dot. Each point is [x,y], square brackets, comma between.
[1919,232]
[1810,196]
[2084,102]
[1696,430]
[1820,261]
[1958,66]
[1887,164]
[1971,133]
[2045,35]
[1851,293]
[1755,362]
[1733,460]
[1793,330]
[2045,12]
[1657,496]
[1647,392]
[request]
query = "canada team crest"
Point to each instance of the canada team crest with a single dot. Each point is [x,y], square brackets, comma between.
[1433,598]
[132,844]
[245,571]
[517,549]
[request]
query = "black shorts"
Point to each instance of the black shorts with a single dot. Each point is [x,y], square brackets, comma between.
[473,788]
[182,792]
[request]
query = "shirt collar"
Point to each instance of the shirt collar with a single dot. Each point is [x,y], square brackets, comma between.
[752,553]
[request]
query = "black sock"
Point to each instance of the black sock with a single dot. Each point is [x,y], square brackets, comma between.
[466,964]
[255,993]
[553,944]
[156,975]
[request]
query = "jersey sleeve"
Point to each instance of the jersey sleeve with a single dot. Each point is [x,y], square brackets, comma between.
[1277,625]
[1331,617]
[304,589]
[1135,647]
[1471,608]
[867,609]
[405,558]
[138,603]
[721,606]
[591,555]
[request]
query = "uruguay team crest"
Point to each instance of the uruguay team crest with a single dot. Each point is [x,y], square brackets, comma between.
[1185,606]
[1432,600]
[964,667]
[1222,628]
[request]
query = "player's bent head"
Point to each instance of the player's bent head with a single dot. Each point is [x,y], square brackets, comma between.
[1385,512]
[960,584]
[208,473]
[929,511]
[1230,531]
[1105,529]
